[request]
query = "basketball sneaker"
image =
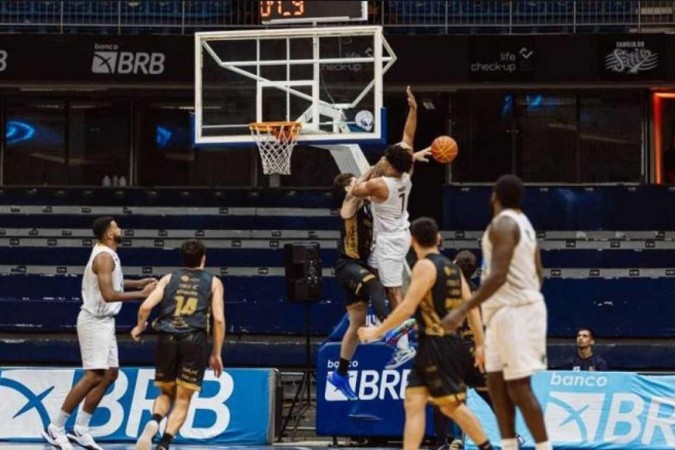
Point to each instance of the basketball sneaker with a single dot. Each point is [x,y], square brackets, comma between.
[521,440]
[392,337]
[57,437]
[341,383]
[401,356]
[82,437]
[144,441]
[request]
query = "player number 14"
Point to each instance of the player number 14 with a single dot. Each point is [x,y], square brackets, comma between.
[267,8]
[185,308]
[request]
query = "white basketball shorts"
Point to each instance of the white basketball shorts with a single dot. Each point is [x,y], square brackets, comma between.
[98,343]
[389,256]
[515,341]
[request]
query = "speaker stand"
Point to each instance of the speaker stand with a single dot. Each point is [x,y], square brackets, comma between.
[305,386]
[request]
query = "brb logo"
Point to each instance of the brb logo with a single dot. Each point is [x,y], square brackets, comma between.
[582,408]
[29,396]
[108,60]
[386,384]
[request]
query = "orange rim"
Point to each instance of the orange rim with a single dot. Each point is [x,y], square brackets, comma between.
[276,128]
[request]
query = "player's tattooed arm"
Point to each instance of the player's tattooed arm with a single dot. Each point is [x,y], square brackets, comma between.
[375,188]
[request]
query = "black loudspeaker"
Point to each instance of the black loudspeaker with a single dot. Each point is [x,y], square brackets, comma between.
[303,272]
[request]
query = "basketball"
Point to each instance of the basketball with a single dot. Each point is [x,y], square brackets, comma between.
[444,149]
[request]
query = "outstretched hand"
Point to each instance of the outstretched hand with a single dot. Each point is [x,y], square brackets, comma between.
[422,155]
[412,103]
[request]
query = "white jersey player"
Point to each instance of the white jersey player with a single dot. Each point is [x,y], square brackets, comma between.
[514,313]
[389,189]
[103,287]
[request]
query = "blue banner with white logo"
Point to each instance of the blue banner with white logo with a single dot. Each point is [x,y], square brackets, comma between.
[582,410]
[599,410]
[379,410]
[236,408]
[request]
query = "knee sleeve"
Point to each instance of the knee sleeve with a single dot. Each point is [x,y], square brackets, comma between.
[378,298]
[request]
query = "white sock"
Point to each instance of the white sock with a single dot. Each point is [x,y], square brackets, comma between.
[510,444]
[61,419]
[543,446]
[83,419]
[403,342]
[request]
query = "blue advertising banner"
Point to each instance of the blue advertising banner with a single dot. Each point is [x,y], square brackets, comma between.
[598,410]
[236,408]
[379,410]
[583,410]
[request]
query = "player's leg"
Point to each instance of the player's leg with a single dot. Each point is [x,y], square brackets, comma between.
[447,376]
[524,359]
[467,421]
[94,336]
[166,373]
[160,409]
[416,397]
[192,357]
[340,377]
[415,412]
[391,271]
[178,414]
[81,433]
[354,278]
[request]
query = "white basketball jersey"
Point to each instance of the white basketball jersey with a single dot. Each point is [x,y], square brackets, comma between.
[522,283]
[392,214]
[91,293]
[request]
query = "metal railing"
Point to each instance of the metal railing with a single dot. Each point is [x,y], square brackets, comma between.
[409,16]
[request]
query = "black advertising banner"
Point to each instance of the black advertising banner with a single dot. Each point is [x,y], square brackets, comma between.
[502,59]
[96,58]
[423,59]
[428,59]
[566,58]
[631,57]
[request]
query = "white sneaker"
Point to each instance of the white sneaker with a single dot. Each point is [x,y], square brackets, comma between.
[82,437]
[402,356]
[144,441]
[57,437]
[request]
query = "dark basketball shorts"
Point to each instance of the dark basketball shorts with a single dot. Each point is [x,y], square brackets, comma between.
[181,359]
[352,276]
[440,369]
[474,377]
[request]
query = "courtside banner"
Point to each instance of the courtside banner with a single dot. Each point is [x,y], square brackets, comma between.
[236,408]
[379,410]
[598,410]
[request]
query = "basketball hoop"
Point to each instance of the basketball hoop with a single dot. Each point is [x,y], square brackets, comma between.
[276,141]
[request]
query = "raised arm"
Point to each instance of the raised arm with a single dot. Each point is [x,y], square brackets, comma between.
[411,121]
[103,268]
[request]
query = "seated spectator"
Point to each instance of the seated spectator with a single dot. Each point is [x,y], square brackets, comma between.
[584,358]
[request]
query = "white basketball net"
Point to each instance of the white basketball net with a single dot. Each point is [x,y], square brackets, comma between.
[276,141]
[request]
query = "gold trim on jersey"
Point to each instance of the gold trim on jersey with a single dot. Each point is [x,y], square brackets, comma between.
[432,323]
[351,239]
[417,390]
[190,386]
[448,399]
